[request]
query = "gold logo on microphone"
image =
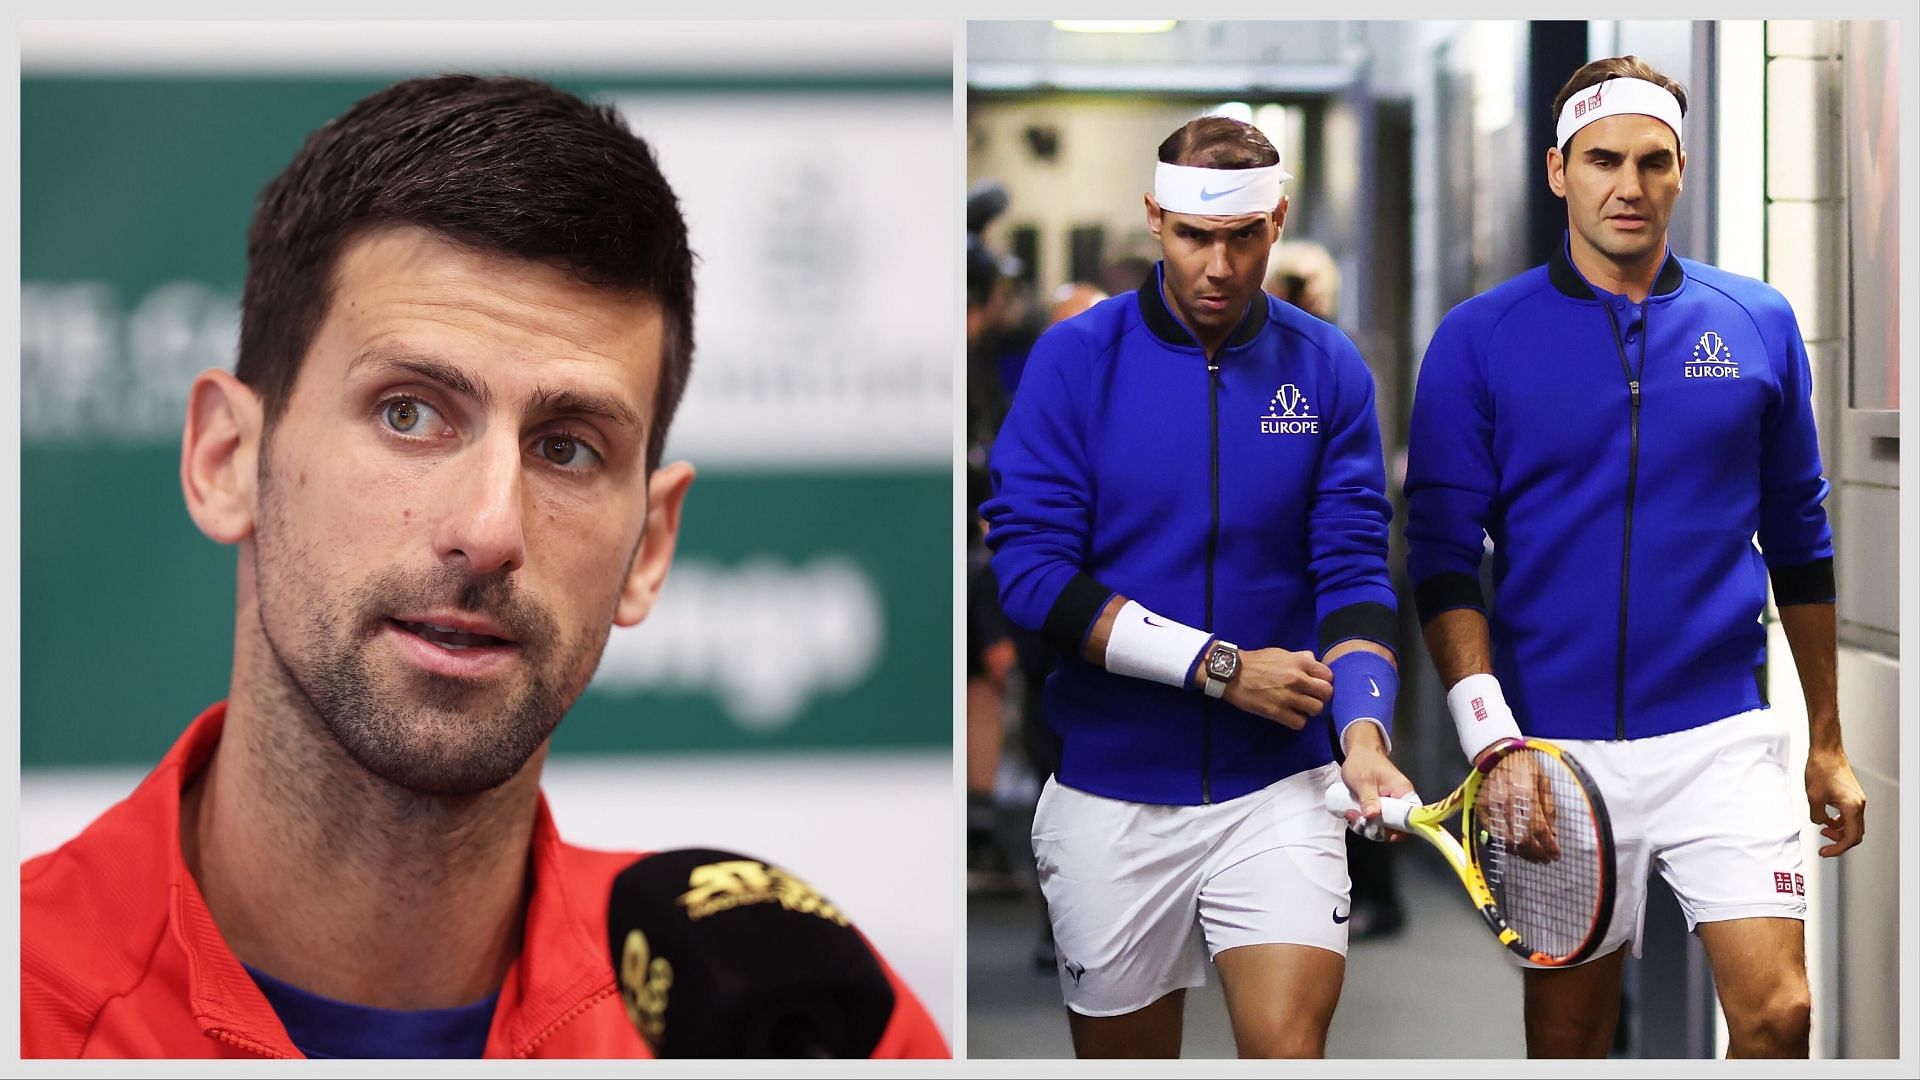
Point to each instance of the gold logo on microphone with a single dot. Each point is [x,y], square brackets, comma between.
[723,886]
[644,984]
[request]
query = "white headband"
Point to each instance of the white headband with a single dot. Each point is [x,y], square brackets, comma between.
[1184,189]
[1614,97]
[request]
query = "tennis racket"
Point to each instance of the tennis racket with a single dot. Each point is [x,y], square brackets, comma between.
[1535,849]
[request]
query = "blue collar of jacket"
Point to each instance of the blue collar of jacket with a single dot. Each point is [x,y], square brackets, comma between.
[1168,328]
[1570,282]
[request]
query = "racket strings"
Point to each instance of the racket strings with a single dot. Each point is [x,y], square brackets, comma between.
[1540,850]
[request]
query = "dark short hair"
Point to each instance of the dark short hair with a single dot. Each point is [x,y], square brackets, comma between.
[503,165]
[1219,142]
[1595,72]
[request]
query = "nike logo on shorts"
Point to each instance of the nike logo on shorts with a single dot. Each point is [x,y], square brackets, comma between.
[1339,918]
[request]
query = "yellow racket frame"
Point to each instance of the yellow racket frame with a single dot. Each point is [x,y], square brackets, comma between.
[1425,820]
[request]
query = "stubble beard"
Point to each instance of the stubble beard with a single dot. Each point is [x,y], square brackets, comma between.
[1625,249]
[428,734]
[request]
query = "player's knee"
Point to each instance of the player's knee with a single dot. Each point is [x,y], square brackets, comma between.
[1569,1025]
[1587,1037]
[1779,1026]
[1286,1044]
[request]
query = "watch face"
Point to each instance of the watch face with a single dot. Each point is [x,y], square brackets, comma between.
[1223,663]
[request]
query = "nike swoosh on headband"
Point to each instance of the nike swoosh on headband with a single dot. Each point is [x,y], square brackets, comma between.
[1209,196]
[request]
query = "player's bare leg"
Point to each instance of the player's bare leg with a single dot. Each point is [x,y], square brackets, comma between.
[1152,1032]
[1572,1012]
[986,694]
[1280,998]
[1760,970]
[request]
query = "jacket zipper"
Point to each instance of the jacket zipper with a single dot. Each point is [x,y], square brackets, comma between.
[1633,474]
[1213,543]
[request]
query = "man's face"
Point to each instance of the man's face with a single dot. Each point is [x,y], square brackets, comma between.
[451,504]
[1214,265]
[1621,176]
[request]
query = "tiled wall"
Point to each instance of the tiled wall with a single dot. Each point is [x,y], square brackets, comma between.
[1852,941]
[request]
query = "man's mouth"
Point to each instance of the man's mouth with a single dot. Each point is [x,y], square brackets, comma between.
[451,638]
[454,647]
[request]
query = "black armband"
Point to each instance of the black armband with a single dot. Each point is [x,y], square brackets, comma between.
[1367,620]
[1808,583]
[1445,592]
[1074,612]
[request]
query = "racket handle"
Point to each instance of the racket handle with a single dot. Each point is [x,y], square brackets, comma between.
[1393,809]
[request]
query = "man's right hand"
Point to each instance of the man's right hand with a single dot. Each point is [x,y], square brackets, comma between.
[1281,685]
[1517,807]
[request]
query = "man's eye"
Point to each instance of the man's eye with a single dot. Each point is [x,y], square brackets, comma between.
[567,452]
[409,417]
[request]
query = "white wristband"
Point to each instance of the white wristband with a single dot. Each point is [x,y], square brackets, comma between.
[1480,714]
[1146,646]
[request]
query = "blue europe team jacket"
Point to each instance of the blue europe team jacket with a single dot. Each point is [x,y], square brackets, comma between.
[1248,501]
[1622,458]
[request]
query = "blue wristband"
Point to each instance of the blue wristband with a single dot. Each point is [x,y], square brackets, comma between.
[1364,687]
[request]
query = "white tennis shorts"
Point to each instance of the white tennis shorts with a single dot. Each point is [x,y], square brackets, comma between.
[1133,888]
[1713,809]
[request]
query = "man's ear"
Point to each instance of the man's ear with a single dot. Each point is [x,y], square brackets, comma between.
[1556,171]
[1279,217]
[219,456]
[1682,185]
[666,491]
[1153,216]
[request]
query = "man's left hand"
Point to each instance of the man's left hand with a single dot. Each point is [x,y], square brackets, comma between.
[1830,783]
[1370,774]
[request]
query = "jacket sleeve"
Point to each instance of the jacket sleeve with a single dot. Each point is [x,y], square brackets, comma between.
[1794,535]
[1347,525]
[1451,477]
[1040,518]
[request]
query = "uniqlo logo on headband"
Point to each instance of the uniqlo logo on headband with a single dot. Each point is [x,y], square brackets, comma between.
[1587,105]
[1790,884]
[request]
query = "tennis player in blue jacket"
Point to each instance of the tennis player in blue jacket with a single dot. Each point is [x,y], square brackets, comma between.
[1624,424]
[1190,501]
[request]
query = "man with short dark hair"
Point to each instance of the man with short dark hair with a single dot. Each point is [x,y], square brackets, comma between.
[1189,501]
[1623,423]
[467,322]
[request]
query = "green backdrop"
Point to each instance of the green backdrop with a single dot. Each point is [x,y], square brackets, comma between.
[135,197]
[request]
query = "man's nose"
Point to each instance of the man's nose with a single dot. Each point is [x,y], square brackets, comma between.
[1219,267]
[1629,188]
[482,518]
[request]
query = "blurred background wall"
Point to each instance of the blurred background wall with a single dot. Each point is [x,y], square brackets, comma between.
[1419,154]
[814,563]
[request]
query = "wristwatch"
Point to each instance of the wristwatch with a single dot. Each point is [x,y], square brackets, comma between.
[1223,663]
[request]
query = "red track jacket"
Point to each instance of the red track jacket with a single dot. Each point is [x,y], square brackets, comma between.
[119,956]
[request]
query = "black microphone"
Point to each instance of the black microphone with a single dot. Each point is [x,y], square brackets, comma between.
[722,955]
